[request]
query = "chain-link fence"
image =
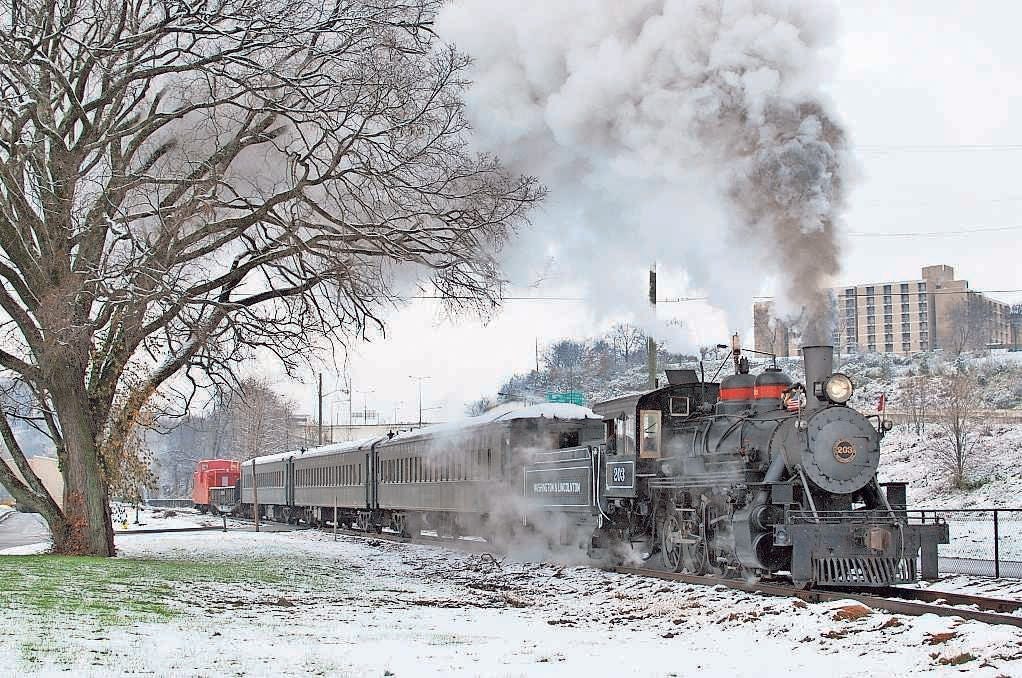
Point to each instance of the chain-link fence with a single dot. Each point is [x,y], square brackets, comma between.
[984,542]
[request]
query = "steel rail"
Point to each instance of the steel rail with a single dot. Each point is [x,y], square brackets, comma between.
[895,605]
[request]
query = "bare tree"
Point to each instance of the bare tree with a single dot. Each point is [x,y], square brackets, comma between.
[184,183]
[969,324]
[917,397]
[956,419]
[628,340]
[565,354]
[258,420]
[481,406]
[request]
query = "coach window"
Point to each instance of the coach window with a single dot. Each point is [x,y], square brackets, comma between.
[649,444]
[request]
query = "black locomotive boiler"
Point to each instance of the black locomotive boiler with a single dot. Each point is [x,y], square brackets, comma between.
[756,475]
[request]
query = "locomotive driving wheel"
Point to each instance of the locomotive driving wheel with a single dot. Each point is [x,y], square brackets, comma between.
[681,545]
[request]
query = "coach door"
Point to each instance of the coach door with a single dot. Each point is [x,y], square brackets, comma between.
[370,484]
[289,481]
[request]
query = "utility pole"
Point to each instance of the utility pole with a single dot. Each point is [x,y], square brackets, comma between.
[420,379]
[255,497]
[650,341]
[320,398]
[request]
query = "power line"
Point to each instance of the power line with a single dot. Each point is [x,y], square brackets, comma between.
[842,295]
[936,148]
[930,234]
[679,300]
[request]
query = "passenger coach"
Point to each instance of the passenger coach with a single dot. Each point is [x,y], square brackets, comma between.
[454,478]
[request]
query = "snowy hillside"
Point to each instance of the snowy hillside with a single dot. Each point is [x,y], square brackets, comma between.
[994,468]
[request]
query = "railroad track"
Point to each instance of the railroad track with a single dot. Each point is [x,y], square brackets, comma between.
[898,600]
[892,599]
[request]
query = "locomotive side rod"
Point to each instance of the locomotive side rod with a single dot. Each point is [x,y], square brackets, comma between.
[894,605]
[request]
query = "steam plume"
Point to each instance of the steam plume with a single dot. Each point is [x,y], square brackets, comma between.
[689,131]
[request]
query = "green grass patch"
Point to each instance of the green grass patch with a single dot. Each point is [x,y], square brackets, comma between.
[45,597]
[118,591]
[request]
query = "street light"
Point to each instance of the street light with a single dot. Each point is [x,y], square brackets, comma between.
[365,404]
[420,380]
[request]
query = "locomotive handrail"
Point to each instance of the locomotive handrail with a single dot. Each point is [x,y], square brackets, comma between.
[915,517]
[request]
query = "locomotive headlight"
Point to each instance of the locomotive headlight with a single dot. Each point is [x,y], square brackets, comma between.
[838,388]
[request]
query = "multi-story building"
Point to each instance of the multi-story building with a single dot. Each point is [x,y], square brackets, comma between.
[902,316]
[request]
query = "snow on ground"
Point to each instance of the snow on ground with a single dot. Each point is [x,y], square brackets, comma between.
[1008,589]
[125,517]
[362,606]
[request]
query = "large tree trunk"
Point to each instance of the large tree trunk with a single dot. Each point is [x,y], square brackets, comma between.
[87,528]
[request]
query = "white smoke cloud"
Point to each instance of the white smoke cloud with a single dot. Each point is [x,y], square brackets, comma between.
[689,132]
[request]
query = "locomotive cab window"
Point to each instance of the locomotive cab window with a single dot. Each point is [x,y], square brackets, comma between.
[679,406]
[649,442]
[625,434]
[568,439]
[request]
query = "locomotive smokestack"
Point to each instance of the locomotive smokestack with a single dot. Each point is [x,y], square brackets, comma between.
[819,364]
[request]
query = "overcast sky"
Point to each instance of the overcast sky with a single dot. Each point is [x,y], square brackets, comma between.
[930,93]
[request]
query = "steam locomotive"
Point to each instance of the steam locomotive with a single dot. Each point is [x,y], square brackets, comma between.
[756,475]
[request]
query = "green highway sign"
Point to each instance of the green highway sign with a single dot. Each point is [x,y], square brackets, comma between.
[573,397]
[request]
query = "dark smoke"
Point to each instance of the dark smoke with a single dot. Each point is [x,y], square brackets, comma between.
[692,132]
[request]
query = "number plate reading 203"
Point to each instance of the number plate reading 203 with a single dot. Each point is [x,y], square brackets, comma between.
[620,475]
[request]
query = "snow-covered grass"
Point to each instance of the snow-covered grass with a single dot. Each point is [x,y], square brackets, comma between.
[298,603]
[125,516]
